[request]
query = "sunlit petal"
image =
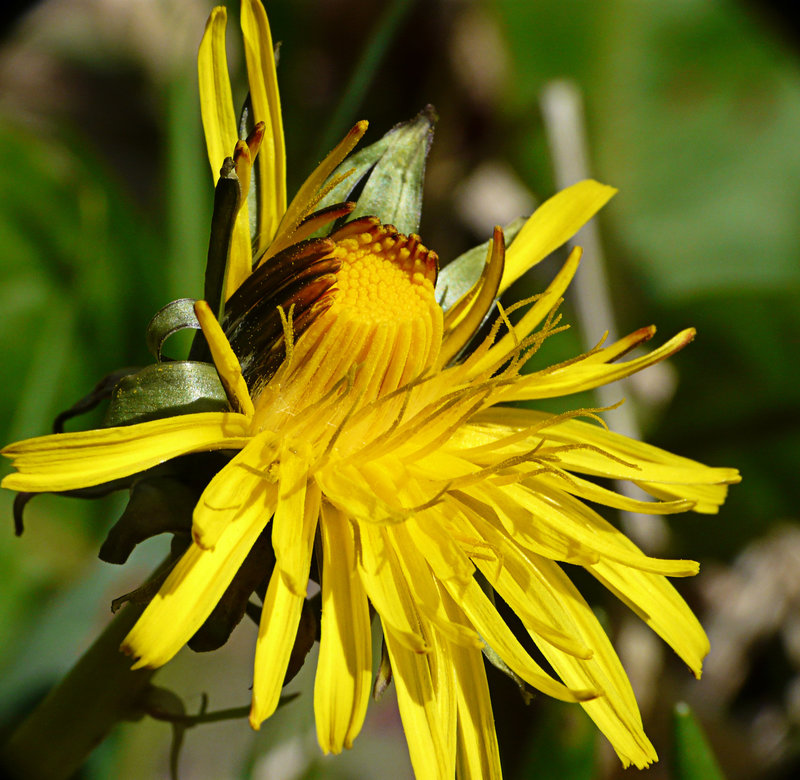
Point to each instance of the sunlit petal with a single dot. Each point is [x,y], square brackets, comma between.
[280,616]
[344,668]
[66,461]
[553,223]
[263,80]
[195,585]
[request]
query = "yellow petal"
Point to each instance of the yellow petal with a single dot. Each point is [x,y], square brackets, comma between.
[195,585]
[532,317]
[465,316]
[240,257]
[216,101]
[280,617]
[553,223]
[477,753]
[616,713]
[658,604]
[591,449]
[387,588]
[290,552]
[344,668]
[579,376]
[418,702]
[499,637]
[534,586]
[225,360]
[589,491]
[423,585]
[512,582]
[230,490]
[550,517]
[309,194]
[265,99]
[67,461]
[619,348]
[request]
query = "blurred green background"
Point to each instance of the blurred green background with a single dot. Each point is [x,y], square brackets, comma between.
[692,109]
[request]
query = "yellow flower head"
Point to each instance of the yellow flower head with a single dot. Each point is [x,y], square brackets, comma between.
[363,428]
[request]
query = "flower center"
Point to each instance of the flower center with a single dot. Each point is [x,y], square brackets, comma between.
[380,330]
[384,276]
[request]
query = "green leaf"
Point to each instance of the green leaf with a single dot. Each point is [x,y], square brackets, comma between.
[377,45]
[563,744]
[705,155]
[694,758]
[175,316]
[166,389]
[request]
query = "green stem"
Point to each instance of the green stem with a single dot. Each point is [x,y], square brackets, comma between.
[77,715]
[363,73]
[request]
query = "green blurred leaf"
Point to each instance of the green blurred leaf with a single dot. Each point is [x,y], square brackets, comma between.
[694,758]
[189,187]
[377,44]
[703,150]
[563,745]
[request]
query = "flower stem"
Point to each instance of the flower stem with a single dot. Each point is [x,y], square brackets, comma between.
[77,715]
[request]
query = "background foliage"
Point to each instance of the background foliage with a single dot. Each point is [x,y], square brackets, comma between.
[692,110]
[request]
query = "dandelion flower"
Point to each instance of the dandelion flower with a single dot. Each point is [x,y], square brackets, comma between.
[379,430]
[420,484]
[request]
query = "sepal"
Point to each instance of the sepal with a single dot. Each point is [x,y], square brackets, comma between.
[164,390]
[459,276]
[389,174]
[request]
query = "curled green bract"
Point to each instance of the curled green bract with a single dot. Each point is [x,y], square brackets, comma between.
[164,390]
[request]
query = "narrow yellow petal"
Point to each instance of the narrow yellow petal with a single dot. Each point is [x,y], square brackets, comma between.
[616,713]
[344,668]
[216,101]
[535,586]
[240,255]
[280,617]
[553,223]
[292,475]
[510,579]
[499,637]
[225,360]
[579,376]
[589,491]
[593,450]
[388,589]
[309,193]
[658,604]
[477,753]
[622,346]
[265,99]
[231,489]
[417,699]
[423,585]
[67,461]
[195,585]
[535,314]
[465,316]
[551,516]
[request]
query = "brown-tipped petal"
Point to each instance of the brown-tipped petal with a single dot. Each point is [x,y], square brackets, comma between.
[462,321]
